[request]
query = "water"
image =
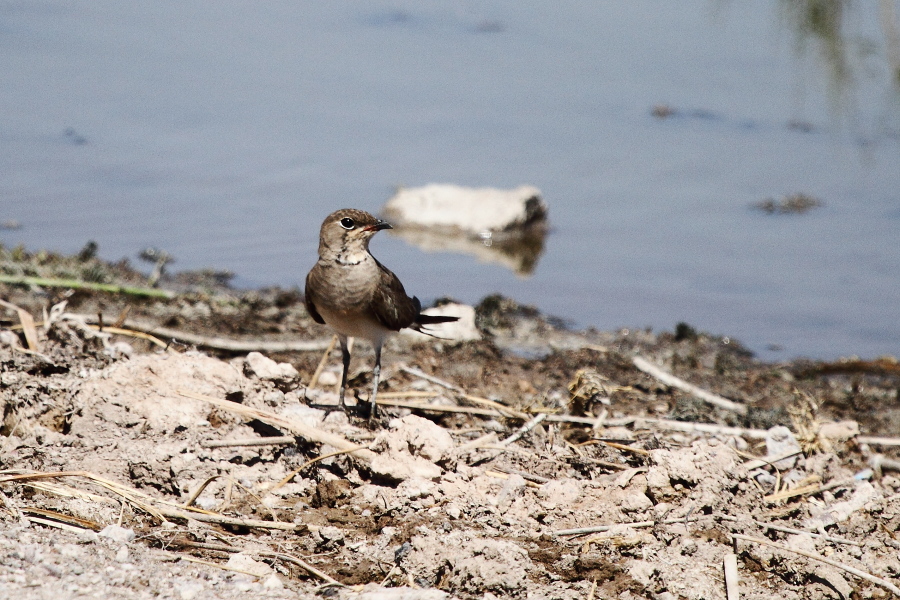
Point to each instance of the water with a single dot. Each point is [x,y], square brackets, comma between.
[225,133]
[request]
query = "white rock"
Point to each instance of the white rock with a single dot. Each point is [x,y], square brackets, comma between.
[779,441]
[243,562]
[373,591]
[189,590]
[398,466]
[636,502]
[8,338]
[122,554]
[409,448]
[421,437]
[561,491]
[512,489]
[328,379]
[463,330]
[475,210]
[117,534]
[839,432]
[266,368]
[330,533]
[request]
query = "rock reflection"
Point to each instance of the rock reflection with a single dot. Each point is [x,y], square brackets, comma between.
[518,251]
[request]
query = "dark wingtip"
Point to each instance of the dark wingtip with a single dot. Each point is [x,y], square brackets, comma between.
[434,319]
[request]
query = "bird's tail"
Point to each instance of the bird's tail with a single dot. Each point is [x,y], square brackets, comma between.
[434,319]
[423,321]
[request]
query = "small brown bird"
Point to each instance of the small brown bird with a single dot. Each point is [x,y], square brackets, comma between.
[357,296]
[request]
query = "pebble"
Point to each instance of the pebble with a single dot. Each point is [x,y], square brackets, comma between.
[117,534]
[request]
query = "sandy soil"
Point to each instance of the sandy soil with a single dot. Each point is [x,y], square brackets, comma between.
[115,483]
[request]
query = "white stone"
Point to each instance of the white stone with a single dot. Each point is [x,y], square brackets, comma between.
[475,210]
[122,554]
[243,562]
[328,379]
[779,441]
[8,338]
[266,368]
[373,591]
[189,590]
[117,534]
[273,582]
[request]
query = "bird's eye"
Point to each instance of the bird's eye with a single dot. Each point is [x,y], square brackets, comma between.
[347,223]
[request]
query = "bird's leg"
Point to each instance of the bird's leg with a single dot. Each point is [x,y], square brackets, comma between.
[345,356]
[376,373]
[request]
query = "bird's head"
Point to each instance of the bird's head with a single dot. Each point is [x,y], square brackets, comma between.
[346,233]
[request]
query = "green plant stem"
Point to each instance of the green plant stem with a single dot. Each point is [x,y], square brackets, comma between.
[86,285]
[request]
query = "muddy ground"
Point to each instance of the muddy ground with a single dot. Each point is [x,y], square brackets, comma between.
[127,464]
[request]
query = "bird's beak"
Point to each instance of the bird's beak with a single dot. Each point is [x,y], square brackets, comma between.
[378,226]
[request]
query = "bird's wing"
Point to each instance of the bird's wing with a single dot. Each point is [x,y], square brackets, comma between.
[393,308]
[310,307]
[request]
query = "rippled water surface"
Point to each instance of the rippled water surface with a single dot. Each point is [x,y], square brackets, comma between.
[224,133]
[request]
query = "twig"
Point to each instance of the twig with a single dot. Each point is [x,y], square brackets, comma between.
[504,410]
[296,426]
[601,528]
[309,463]
[861,574]
[303,564]
[439,408]
[791,530]
[131,333]
[205,517]
[880,463]
[625,448]
[27,322]
[407,394]
[315,378]
[757,463]
[54,523]
[490,438]
[665,424]
[218,343]
[601,463]
[593,589]
[670,380]
[266,441]
[159,509]
[731,577]
[422,375]
[598,424]
[523,475]
[523,430]
[811,489]
[878,441]
[133,496]
[501,475]
[62,518]
[209,563]
[193,497]
[785,494]
[86,285]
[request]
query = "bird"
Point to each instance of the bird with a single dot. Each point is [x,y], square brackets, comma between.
[357,296]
